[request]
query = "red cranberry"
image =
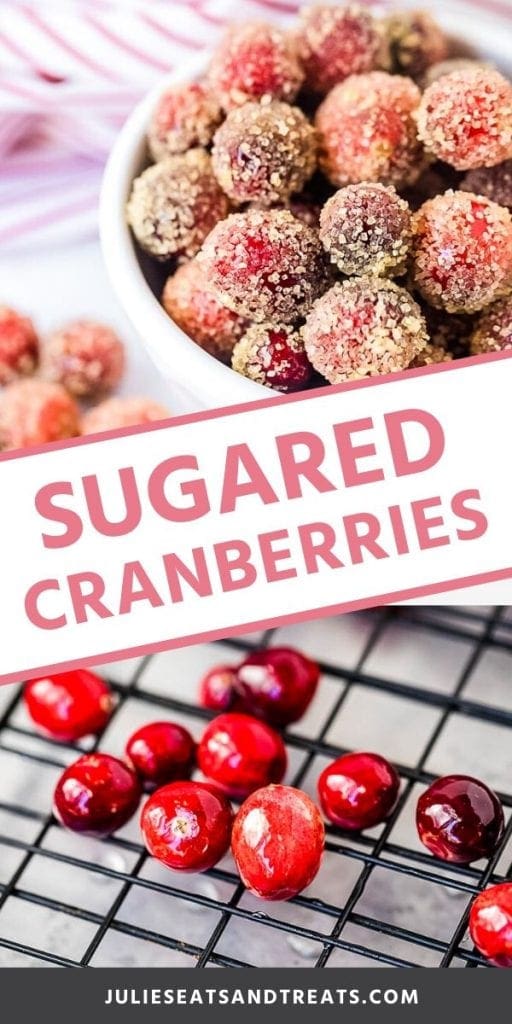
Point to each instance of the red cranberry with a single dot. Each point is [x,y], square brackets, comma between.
[278,841]
[161,752]
[217,688]
[239,754]
[187,825]
[490,924]
[277,684]
[459,819]
[358,791]
[96,795]
[69,705]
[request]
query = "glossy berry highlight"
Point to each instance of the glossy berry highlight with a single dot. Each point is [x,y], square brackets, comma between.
[459,819]
[240,754]
[358,791]
[69,705]
[161,752]
[278,841]
[96,795]
[187,825]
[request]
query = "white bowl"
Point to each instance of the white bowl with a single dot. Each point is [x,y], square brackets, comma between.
[197,380]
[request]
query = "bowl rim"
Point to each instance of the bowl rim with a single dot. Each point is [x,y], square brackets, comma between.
[180,358]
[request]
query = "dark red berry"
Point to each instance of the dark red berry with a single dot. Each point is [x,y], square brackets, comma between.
[187,825]
[459,819]
[97,795]
[273,356]
[490,924]
[217,688]
[161,752]
[278,841]
[69,705]
[239,754]
[277,684]
[358,790]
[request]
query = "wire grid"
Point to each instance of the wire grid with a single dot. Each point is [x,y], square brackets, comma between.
[429,687]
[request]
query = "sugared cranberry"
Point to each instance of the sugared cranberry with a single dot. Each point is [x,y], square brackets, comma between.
[358,790]
[273,356]
[69,705]
[278,841]
[277,684]
[97,795]
[187,825]
[217,688]
[19,345]
[239,754]
[459,819]
[161,752]
[490,924]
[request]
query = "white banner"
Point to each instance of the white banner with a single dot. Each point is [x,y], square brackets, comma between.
[279,510]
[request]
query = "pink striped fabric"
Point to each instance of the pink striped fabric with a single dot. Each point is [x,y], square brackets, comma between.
[70,71]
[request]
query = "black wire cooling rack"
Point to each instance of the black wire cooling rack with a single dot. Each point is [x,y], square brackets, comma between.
[380,898]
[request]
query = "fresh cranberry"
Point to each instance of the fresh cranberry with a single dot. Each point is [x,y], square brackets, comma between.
[239,754]
[217,688]
[278,841]
[459,819]
[69,705]
[277,684]
[96,795]
[358,791]
[187,825]
[490,924]
[161,752]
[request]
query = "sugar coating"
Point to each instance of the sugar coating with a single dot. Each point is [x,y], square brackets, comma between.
[255,60]
[335,42]
[462,252]
[493,182]
[465,118]
[263,152]
[85,357]
[415,41]
[195,308]
[493,330]
[431,355]
[367,131]
[115,413]
[34,412]
[366,229]
[445,67]
[174,204]
[185,116]
[265,265]
[363,327]
[19,345]
[273,355]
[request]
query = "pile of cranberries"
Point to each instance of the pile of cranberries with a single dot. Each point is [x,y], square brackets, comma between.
[332,202]
[61,386]
[277,836]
